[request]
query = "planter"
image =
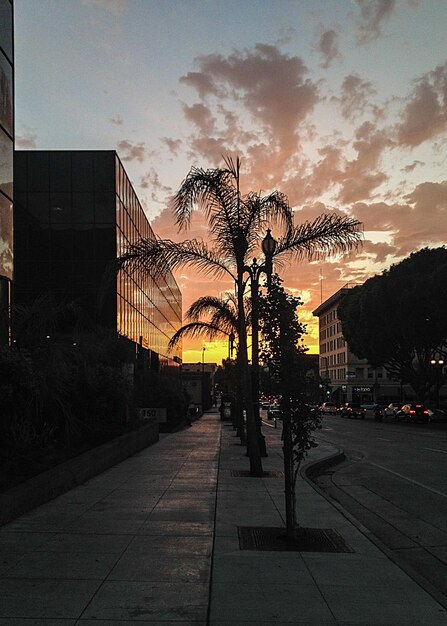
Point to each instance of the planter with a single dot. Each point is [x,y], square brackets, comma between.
[63,477]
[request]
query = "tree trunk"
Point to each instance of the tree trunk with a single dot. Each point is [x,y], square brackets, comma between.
[288,469]
[253,450]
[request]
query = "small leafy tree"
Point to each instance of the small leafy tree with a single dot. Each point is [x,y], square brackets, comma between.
[283,350]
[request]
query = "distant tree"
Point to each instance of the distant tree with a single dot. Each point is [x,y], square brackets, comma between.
[398,319]
[283,351]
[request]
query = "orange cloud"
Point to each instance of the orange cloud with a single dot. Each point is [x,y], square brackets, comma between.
[271,86]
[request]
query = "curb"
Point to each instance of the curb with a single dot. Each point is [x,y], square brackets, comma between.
[311,469]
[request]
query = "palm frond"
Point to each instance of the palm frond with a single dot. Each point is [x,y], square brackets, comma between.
[196,329]
[213,190]
[163,255]
[328,234]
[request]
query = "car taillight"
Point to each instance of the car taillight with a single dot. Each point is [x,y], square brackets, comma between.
[425,412]
[412,412]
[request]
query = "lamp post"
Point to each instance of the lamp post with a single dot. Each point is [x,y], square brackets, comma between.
[438,365]
[203,379]
[254,271]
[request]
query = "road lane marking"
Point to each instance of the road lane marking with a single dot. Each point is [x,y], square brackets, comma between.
[410,480]
[383,439]
[435,450]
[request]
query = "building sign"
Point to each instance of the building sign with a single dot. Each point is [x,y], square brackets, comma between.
[362,389]
[159,414]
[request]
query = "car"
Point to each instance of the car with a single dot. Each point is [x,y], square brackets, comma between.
[328,408]
[352,410]
[415,412]
[391,409]
[274,412]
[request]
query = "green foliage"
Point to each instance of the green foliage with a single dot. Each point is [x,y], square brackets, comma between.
[282,333]
[158,390]
[397,319]
[283,351]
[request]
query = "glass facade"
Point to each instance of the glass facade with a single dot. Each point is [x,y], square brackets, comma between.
[6,159]
[149,307]
[6,139]
[74,213]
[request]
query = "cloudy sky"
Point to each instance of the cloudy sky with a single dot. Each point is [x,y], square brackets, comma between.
[340,104]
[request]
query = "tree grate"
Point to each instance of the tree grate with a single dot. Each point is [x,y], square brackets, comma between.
[274,539]
[246,474]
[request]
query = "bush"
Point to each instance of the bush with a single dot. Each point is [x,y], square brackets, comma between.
[157,390]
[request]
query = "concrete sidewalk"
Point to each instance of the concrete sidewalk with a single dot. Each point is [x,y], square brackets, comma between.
[154,541]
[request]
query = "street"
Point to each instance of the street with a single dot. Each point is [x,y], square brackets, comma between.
[394,481]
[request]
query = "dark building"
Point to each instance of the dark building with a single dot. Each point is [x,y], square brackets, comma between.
[74,213]
[6,162]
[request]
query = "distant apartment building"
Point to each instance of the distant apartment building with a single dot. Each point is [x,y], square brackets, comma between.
[348,378]
[74,213]
[6,163]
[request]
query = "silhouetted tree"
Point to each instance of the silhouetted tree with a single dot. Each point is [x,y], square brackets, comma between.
[398,319]
[283,351]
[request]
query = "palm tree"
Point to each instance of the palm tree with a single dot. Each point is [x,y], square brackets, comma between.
[221,319]
[236,224]
[221,322]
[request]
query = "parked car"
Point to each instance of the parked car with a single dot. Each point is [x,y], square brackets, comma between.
[391,410]
[328,408]
[274,412]
[353,410]
[413,413]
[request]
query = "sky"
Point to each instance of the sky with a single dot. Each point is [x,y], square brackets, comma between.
[339,104]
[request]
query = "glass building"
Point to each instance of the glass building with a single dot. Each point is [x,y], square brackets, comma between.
[6,162]
[74,213]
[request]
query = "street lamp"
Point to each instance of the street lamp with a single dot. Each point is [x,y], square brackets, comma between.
[231,339]
[203,379]
[254,271]
[438,365]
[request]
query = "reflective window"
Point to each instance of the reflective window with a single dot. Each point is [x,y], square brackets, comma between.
[84,241]
[83,207]
[6,104]
[105,242]
[38,171]
[6,237]
[6,27]
[105,208]
[82,171]
[104,163]
[6,157]
[60,171]
[61,242]
[39,207]
[60,208]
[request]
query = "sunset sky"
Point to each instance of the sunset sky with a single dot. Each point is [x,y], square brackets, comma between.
[340,104]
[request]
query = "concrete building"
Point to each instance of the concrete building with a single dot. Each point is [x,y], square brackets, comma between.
[74,213]
[346,377]
[6,163]
[198,382]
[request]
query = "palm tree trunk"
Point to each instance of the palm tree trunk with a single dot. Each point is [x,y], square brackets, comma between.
[253,450]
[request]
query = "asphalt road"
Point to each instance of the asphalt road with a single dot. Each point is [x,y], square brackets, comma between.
[394,481]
